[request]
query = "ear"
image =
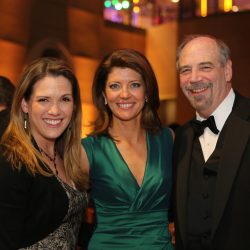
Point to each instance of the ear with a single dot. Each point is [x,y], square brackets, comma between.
[228,71]
[24,106]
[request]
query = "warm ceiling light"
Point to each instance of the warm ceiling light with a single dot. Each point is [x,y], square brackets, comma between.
[228,4]
[136,9]
[203,8]
[235,8]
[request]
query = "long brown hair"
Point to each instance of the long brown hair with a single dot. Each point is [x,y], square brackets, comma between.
[17,141]
[126,58]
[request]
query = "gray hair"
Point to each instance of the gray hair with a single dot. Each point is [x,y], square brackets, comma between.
[224,50]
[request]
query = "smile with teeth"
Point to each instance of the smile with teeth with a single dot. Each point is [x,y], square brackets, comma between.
[197,90]
[125,105]
[52,122]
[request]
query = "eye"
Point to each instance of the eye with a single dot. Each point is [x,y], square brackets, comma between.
[66,99]
[114,86]
[184,71]
[43,99]
[135,85]
[206,68]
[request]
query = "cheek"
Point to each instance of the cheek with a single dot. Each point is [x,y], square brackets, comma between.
[36,110]
[141,95]
[69,109]
[110,96]
[183,85]
[183,81]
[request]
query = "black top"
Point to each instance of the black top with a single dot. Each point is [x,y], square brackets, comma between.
[30,207]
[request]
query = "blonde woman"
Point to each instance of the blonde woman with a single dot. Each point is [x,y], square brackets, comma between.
[41,203]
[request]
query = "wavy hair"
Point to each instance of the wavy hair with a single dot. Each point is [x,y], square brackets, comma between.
[126,58]
[18,143]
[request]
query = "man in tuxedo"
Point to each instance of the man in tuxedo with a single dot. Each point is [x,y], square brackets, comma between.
[6,94]
[211,152]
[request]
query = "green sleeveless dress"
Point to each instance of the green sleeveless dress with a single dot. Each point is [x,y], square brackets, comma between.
[129,216]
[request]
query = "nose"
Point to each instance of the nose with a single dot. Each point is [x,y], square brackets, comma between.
[195,76]
[54,109]
[125,93]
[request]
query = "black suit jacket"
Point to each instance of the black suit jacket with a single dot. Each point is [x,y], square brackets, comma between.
[30,207]
[231,206]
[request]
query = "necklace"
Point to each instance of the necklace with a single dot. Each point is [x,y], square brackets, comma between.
[52,159]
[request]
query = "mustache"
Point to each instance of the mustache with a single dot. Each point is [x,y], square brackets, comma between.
[199,85]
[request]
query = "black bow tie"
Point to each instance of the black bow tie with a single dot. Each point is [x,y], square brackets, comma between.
[199,126]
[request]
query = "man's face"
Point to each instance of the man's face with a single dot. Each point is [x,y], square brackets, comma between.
[203,78]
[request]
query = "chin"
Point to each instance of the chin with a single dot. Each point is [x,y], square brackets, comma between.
[53,136]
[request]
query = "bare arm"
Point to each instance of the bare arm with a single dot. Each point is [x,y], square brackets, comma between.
[84,161]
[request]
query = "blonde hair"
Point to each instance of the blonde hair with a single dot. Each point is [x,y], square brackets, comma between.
[17,141]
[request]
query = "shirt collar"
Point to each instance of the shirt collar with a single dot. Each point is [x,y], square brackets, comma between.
[222,112]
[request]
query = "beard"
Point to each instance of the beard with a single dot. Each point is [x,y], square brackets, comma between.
[199,100]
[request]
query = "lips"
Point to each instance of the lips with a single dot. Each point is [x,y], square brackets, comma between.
[199,87]
[195,91]
[125,105]
[53,121]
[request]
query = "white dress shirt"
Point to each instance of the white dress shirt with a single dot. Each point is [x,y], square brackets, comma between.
[208,139]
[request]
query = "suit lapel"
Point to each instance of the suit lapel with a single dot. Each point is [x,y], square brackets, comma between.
[185,151]
[236,137]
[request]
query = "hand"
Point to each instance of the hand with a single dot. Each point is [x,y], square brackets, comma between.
[171,230]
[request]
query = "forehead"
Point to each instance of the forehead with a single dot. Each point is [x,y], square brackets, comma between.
[198,50]
[123,73]
[52,85]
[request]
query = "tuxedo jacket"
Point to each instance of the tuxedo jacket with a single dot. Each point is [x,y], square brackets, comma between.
[231,205]
[31,207]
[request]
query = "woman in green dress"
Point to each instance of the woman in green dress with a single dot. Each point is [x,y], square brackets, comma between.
[128,157]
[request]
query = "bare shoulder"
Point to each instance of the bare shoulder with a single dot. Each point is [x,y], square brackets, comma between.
[84,160]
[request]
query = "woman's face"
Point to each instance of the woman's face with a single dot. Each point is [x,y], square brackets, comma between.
[50,108]
[125,93]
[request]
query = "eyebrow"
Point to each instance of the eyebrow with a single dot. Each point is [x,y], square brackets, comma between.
[199,64]
[206,63]
[47,96]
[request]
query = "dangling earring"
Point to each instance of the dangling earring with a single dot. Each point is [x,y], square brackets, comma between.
[25,120]
[105,99]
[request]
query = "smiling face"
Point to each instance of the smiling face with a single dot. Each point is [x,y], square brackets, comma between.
[125,94]
[203,78]
[49,108]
